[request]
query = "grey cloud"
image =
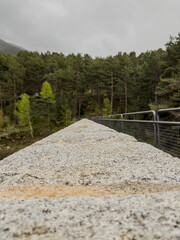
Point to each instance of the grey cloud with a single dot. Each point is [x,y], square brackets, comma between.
[97,27]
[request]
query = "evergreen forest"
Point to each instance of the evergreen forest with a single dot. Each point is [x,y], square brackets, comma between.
[43,92]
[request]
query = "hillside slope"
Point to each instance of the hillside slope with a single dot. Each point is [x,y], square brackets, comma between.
[9,48]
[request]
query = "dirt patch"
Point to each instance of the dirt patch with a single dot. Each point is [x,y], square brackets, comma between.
[126,188]
[12,144]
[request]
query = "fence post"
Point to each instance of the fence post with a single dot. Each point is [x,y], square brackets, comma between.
[158,132]
[155,132]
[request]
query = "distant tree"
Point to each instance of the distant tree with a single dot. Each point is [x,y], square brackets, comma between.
[168,91]
[97,111]
[107,110]
[1,118]
[11,80]
[46,104]
[34,71]
[148,73]
[130,82]
[46,92]
[66,115]
[23,112]
[171,58]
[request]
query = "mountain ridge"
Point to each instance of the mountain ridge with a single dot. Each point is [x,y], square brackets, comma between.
[9,48]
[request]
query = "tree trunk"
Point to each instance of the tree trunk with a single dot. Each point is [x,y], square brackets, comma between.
[76,104]
[1,100]
[48,116]
[79,109]
[156,100]
[30,127]
[14,94]
[98,94]
[155,93]
[112,90]
[15,120]
[125,96]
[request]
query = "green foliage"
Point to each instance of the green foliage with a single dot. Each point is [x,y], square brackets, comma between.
[23,112]
[107,110]
[156,107]
[43,115]
[117,84]
[47,108]
[46,92]
[66,115]
[1,118]
[83,85]
[168,91]
[43,110]
[97,111]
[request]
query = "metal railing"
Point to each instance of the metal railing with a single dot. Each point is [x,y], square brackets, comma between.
[163,134]
[168,133]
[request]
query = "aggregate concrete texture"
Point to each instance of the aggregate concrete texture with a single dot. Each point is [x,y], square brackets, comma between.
[88,181]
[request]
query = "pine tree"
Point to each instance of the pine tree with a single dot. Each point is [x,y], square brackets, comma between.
[66,115]
[46,92]
[1,118]
[47,102]
[107,110]
[23,112]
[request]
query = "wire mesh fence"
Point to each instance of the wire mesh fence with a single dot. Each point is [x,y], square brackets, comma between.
[162,134]
[169,138]
[141,131]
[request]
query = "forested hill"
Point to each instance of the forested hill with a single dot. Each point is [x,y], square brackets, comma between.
[77,85]
[9,48]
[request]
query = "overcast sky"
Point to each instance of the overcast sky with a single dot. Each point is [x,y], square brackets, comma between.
[96,27]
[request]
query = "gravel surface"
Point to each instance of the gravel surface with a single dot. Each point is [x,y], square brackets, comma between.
[85,160]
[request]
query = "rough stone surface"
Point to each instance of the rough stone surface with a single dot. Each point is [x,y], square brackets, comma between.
[89,154]
[155,216]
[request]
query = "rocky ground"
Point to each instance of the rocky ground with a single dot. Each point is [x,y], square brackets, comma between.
[89,182]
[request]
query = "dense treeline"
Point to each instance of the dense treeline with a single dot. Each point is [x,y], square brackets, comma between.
[80,84]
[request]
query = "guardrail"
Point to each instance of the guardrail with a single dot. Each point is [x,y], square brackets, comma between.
[150,128]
